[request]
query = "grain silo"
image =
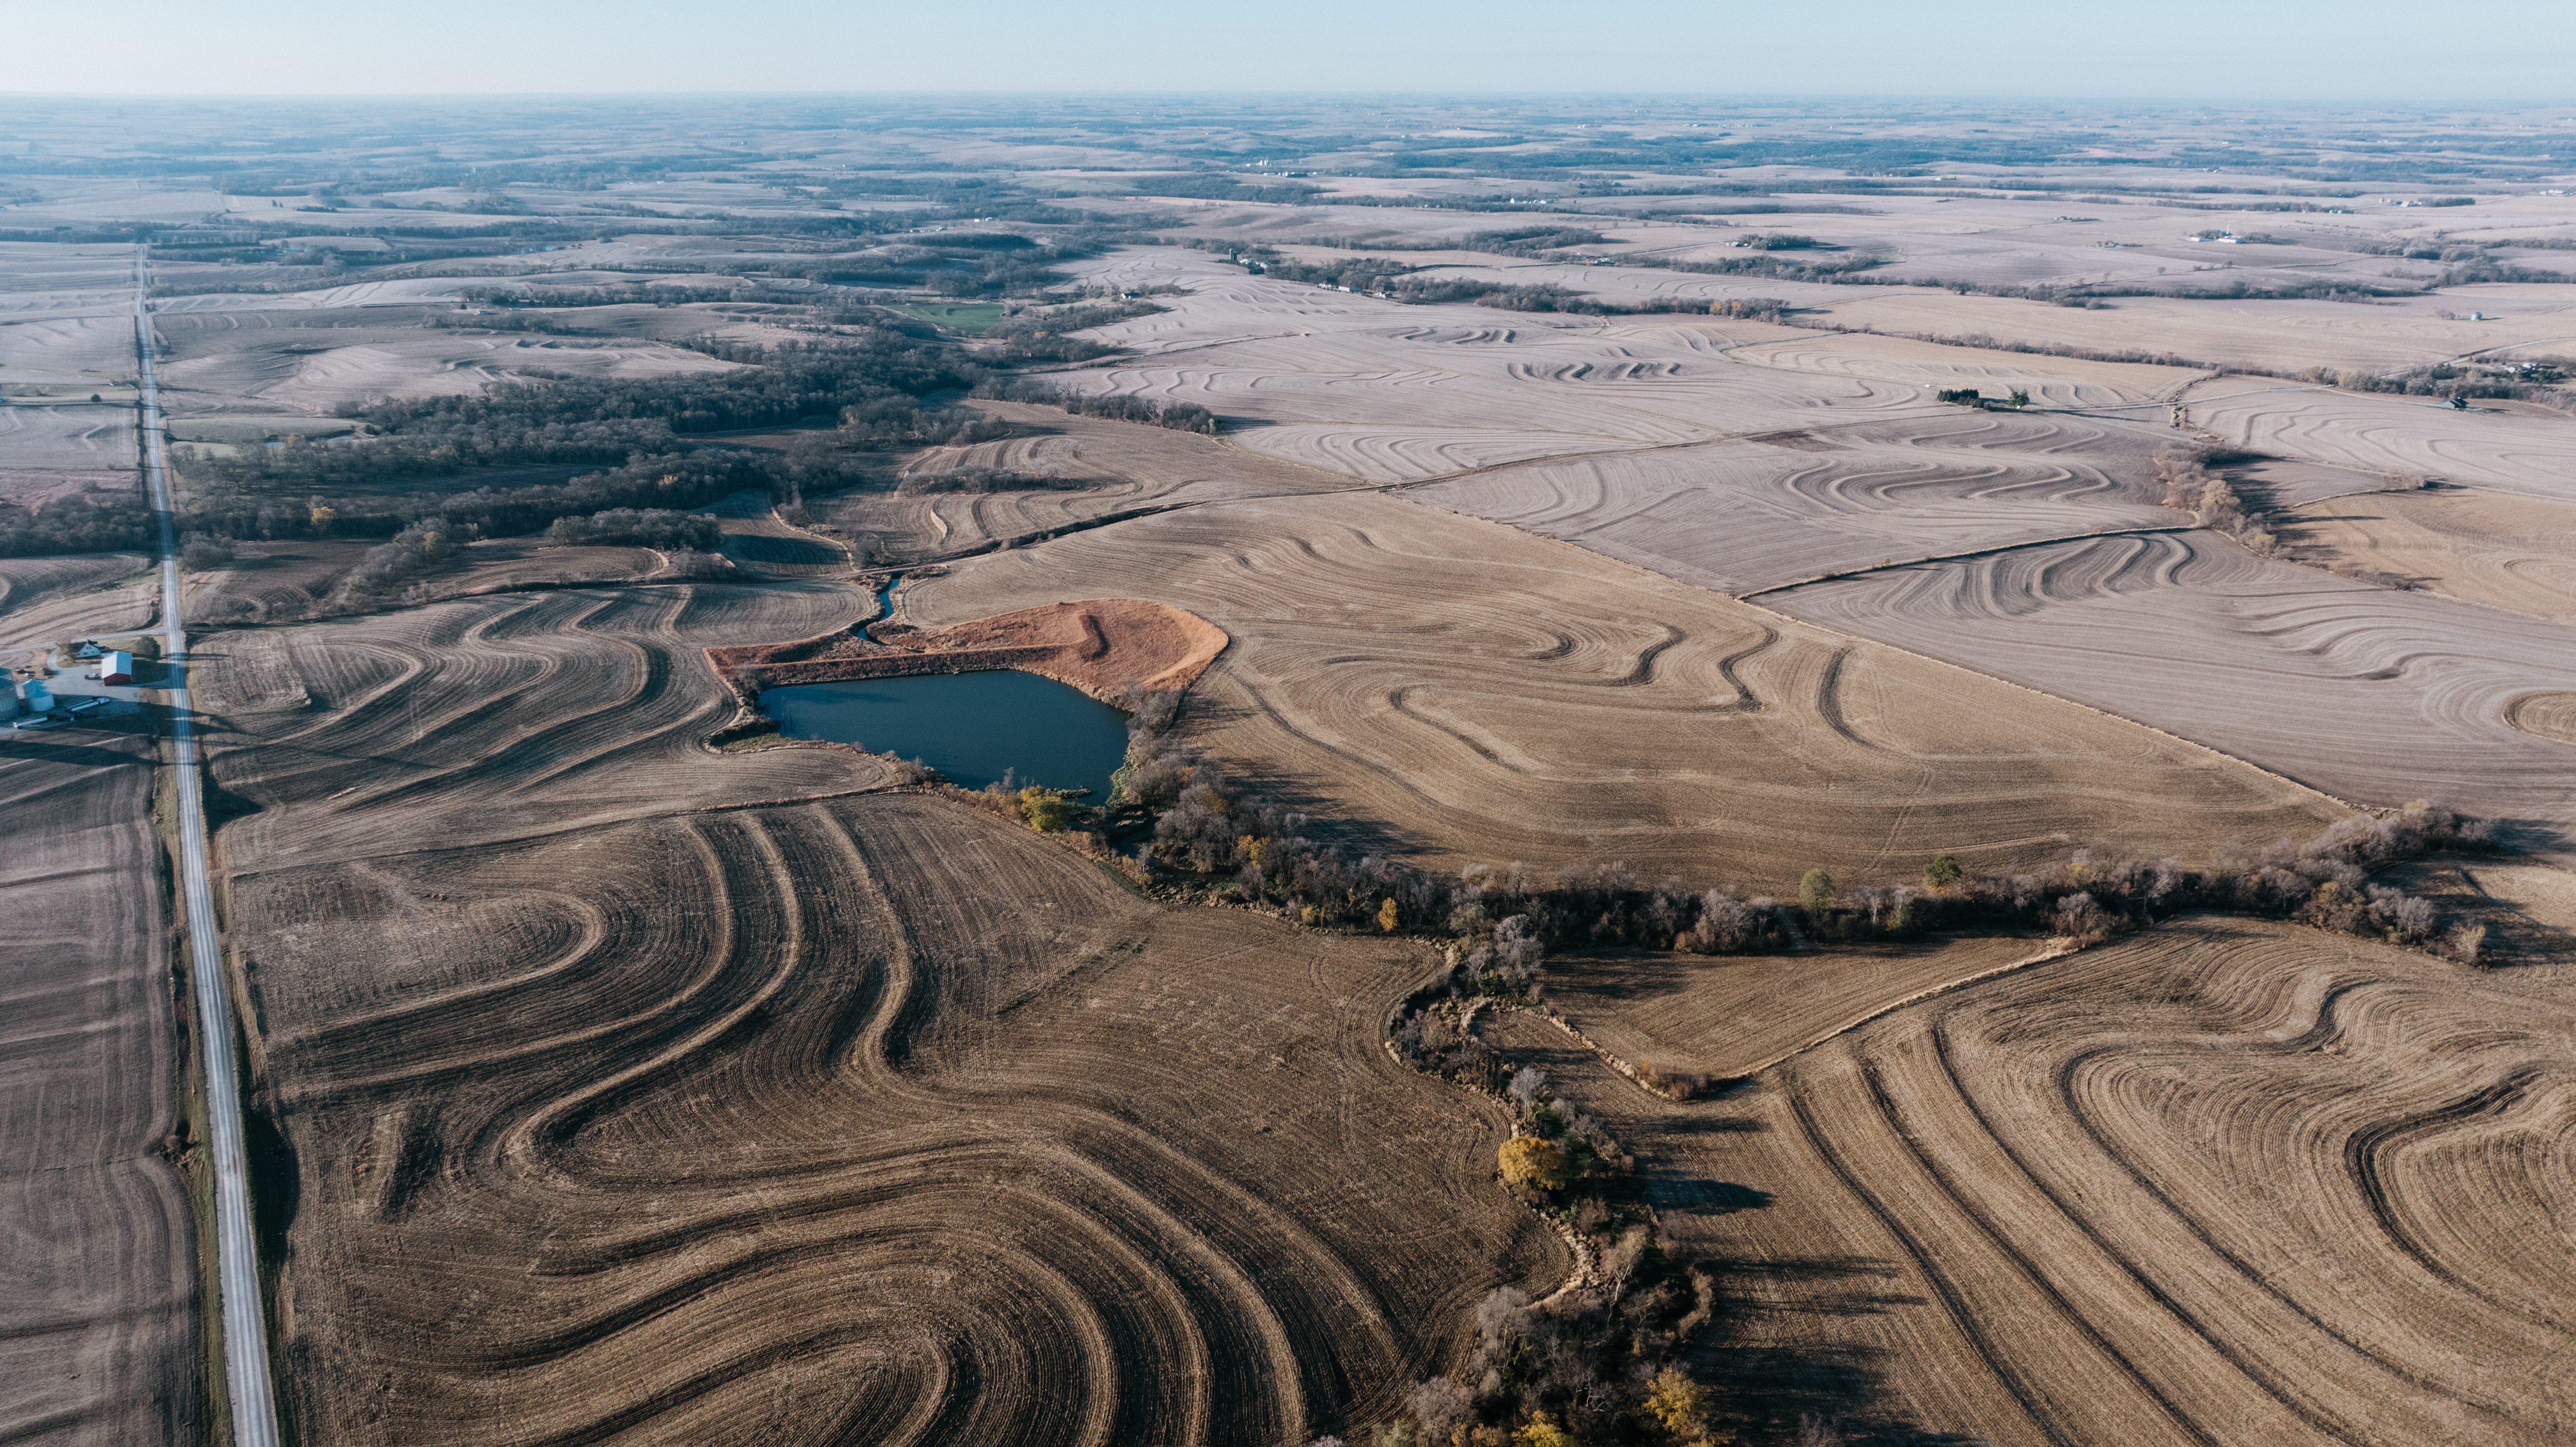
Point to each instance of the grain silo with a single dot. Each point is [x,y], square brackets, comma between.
[8,694]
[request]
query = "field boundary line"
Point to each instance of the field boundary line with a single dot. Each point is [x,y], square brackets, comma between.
[1972,553]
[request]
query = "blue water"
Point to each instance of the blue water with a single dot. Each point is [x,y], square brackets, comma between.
[969,726]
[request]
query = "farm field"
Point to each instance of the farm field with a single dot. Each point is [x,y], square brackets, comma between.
[2373,695]
[1537,483]
[2224,1181]
[2412,437]
[1105,467]
[1417,675]
[100,1273]
[969,1145]
[2509,552]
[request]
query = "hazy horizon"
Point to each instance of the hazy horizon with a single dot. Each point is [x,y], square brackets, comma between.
[2376,52]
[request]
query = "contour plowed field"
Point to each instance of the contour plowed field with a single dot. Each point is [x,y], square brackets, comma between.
[2226,1182]
[2515,553]
[2373,695]
[1120,466]
[2407,436]
[1481,695]
[1778,507]
[51,600]
[878,1120]
[98,1276]
[499,716]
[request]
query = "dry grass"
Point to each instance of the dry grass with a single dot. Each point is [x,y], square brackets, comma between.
[100,1272]
[1478,695]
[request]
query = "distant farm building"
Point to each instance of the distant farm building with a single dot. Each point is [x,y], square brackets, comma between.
[116,667]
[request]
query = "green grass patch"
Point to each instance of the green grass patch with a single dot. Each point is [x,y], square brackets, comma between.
[966,318]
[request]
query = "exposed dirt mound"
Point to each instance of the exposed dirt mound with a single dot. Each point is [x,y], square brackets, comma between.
[1099,645]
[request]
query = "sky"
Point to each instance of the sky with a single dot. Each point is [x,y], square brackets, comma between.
[2245,50]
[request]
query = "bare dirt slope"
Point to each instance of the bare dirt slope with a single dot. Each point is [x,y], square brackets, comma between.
[880,1120]
[2224,1182]
[2514,553]
[1481,695]
[2374,695]
[98,1277]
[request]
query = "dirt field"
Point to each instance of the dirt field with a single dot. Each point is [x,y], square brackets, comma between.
[1780,507]
[2514,553]
[2373,695]
[1124,465]
[506,715]
[74,597]
[2412,437]
[2226,1181]
[1478,695]
[100,1272]
[659,1138]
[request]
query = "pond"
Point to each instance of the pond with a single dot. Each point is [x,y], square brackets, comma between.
[969,726]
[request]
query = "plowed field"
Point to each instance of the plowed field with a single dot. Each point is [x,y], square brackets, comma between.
[1479,695]
[2225,1182]
[2514,553]
[98,1277]
[2403,436]
[2373,695]
[1782,506]
[875,1121]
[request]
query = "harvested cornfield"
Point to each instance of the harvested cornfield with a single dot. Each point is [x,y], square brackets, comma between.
[2373,695]
[48,600]
[100,1275]
[1433,683]
[2224,1182]
[1055,471]
[1779,507]
[878,1120]
[2403,436]
[498,716]
[2514,553]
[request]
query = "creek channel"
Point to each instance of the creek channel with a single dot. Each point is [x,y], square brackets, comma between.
[973,727]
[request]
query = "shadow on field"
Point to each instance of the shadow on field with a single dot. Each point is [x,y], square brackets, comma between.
[1775,1389]
[1328,824]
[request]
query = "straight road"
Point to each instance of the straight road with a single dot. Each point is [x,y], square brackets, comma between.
[245,1324]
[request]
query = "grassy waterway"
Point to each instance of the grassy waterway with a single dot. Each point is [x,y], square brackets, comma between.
[969,726]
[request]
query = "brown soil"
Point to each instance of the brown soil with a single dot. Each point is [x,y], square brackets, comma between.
[2505,551]
[2227,1181]
[99,1276]
[1476,695]
[1099,645]
[623,1102]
